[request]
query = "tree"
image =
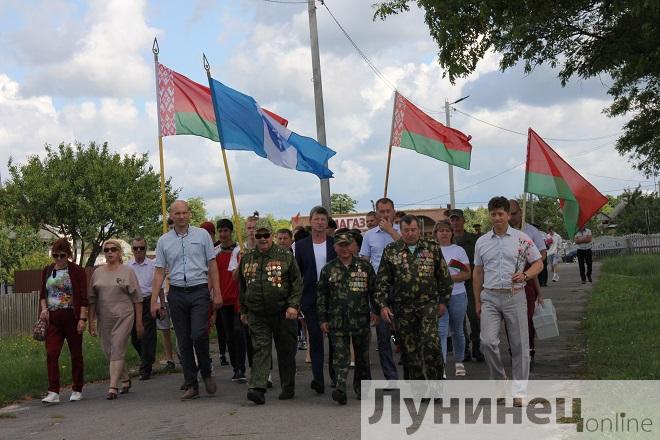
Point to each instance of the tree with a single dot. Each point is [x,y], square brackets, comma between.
[197,210]
[17,242]
[641,215]
[342,203]
[584,38]
[87,193]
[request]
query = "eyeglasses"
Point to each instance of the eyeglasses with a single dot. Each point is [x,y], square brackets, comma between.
[139,248]
[60,256]
[262,235]
[110,249]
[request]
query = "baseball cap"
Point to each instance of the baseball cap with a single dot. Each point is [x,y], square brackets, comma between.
[344,238]
[263,223]
[455,213]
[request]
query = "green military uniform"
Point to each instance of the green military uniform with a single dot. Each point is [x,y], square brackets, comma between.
[468,241]
[412,283]
[345,295]
[270,282]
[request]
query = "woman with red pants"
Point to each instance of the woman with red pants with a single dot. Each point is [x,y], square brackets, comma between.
[63,304]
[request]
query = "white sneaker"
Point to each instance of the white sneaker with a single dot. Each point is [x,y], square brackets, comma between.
[555,277]
[76,396]
[460,369]
[51,398]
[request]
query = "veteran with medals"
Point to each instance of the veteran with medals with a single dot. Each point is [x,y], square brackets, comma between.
[345,295]
[412,290]
[270,289]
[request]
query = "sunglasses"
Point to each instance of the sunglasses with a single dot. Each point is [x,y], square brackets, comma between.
[60,256]
[262,235]
[139,248]
[110,249]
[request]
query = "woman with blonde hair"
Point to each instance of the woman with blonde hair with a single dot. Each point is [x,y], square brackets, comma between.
[63,304]
[115,300]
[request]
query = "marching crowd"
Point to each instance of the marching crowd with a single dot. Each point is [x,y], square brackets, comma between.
[314,283]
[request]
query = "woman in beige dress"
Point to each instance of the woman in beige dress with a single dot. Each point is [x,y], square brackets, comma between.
[115,300]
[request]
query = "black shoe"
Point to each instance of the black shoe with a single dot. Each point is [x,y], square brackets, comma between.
[339,397]
[589,278]
[286,395]
[256,395]
[223,361]
[317,386]
[478,355]
[584,282]
[170,366]
[183,387]
[145,376]
[190,394]
[238,377]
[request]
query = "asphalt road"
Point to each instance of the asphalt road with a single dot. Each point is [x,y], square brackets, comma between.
[152,409]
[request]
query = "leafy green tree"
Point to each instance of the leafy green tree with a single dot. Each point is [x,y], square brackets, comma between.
[641,215]
[87,193]
[197,210]
[476,216]
[342,203]
[583,38]
[16,243]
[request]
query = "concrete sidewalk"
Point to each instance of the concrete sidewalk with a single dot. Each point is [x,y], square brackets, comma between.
[152,409]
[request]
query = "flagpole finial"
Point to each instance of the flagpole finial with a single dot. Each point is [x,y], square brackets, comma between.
[155,48]
[207,66]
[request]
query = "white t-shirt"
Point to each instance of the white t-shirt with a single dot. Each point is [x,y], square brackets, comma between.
[233,260]
[455,252]
[320,255]
[584,234]
[554,246]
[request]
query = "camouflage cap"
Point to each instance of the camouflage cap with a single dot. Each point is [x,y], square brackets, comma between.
[455,213]
[344,238]
[263,223]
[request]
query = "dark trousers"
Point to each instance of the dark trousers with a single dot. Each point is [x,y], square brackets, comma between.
[383,338]
[146,347]
[531,295]
[265,329]
[222,335]
[316,349]
[234,333]
[63,325]
[543,276]
[584,256]
[189,310]
[475,322]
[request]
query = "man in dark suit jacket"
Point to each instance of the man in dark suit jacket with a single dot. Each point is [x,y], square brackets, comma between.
[312,253]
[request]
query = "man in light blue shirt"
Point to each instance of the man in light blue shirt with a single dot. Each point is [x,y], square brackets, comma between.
[499,279]
[373,244]
[189,255]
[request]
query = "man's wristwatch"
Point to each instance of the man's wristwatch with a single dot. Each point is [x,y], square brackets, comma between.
[526,276]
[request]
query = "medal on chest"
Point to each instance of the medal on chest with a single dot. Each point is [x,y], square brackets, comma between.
[274,273]
[357,281]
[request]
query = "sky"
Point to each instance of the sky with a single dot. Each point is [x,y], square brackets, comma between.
[84,71]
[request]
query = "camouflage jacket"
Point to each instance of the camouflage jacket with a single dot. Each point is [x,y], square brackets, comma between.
[269,281]
[407,278]
[345,295]
[468,241]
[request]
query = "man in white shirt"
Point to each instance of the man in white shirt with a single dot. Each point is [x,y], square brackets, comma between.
[584,243]
[553,239]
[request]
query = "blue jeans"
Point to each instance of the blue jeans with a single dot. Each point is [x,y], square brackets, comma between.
[454,317]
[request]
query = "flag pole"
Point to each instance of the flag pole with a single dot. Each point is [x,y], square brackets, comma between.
[389,151]
[524,206]
[163,197]
[452,196]
[237,223]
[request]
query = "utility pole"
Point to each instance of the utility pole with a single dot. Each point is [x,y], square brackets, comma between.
[452,196]
[318,95]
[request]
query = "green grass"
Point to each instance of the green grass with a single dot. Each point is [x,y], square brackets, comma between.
[23,366]
[623,320]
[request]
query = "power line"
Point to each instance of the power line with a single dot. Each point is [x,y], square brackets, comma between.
[525,134]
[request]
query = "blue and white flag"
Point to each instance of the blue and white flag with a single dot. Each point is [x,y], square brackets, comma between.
[243,125]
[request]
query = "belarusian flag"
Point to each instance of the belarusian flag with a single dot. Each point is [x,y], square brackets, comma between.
[547,174]
[186,106]
[415,130]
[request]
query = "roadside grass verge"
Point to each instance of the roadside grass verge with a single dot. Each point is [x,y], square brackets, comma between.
[623,320]
[23,366]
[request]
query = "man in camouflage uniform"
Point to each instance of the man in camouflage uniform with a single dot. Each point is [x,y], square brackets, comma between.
[412,290]
[270,289]
[467,241]
[345,292]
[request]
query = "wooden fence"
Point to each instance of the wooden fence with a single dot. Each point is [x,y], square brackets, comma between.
[18,313]
[631,244]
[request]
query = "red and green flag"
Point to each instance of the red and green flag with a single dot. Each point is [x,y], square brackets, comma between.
[547,174]
[186,107]
[415,130]
[455,264]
